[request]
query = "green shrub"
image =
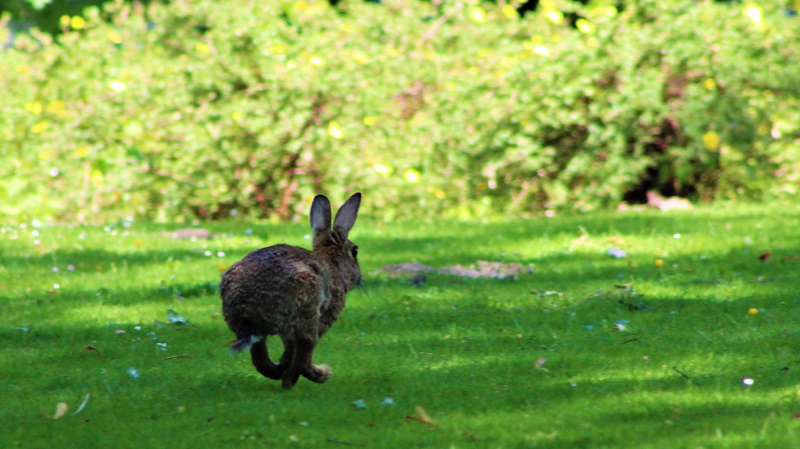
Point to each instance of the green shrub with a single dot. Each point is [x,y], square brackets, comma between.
[198,110]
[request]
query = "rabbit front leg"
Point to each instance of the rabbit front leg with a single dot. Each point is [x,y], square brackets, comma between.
[302,365]
[306,335]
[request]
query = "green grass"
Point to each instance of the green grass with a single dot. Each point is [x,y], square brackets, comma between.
[464,350]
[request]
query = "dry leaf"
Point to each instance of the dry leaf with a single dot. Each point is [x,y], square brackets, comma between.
[421,417]
[764,256]
[61,410]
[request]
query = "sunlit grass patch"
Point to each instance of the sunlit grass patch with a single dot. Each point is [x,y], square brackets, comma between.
[587,350]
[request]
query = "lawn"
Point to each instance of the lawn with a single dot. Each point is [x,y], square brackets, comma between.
[652,350]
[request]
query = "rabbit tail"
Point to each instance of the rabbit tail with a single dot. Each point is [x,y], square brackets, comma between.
[244,343]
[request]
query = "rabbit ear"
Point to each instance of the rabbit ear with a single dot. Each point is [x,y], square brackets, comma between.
[320,214]
[346,216]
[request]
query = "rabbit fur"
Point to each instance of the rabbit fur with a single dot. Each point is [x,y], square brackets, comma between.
[294,293]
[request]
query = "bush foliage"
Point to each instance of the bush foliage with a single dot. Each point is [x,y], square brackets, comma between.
[203,110]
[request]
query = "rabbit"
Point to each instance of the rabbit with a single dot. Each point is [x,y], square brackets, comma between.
[294,293]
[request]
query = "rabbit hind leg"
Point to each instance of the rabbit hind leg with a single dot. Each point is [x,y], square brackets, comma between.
[264,365]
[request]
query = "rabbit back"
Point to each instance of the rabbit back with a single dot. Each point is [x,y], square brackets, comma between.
[263,293]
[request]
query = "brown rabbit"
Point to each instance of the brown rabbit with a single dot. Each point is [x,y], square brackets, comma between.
[294,293]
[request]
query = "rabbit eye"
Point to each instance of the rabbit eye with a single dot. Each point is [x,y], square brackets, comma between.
[354,251]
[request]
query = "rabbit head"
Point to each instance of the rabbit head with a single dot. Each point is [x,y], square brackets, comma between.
[332,244]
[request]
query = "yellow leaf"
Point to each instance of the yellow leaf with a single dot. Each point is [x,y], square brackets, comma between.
[541,50]
[411,176]
[97,177]
[277,49]
[584,26]
[608,11]
[382,169]
[301,5]
[478,14]
[335,130]
[77,23]
[709,84]
[236,115]
[370,121]
[711,140]
[39,127]
[202,47]
[56,106]
[554,15]
[44,155]
[82,151]
[34,107]
[755,15]
[510,12]
[114,37]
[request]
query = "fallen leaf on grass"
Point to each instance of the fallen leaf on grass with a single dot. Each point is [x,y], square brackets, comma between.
[61,410]
[764,256]
[421,417]
[539,366]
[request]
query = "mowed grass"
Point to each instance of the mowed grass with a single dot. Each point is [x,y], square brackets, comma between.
[646,351]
